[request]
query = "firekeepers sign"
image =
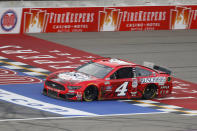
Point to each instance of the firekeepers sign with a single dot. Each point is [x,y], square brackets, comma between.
[94,19]
[10,20]
[60,20]
[134,18]
[146,18]
[183,17]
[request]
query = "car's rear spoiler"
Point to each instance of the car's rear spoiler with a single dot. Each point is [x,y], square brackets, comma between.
[156,67]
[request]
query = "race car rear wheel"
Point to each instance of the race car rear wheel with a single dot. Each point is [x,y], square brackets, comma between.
[150,91]
[90,93]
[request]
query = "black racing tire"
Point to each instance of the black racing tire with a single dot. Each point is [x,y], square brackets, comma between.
[150,91]
[90,93]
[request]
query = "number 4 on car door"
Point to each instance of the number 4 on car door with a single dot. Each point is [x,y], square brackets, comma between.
[122,89]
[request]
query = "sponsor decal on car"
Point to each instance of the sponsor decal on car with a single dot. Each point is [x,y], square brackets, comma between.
[73,76]
[159,80]
[164,87]
[79,95]
[118,61]
[108,88]
[134,82]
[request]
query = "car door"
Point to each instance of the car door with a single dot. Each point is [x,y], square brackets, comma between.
[121,83]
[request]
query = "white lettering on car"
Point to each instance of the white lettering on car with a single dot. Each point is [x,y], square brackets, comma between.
[159,80]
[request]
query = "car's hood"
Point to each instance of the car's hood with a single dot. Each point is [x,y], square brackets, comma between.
[72,77]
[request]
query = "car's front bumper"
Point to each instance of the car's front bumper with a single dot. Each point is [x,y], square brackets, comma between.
[67,96]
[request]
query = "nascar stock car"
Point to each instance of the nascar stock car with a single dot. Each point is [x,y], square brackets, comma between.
[109,78]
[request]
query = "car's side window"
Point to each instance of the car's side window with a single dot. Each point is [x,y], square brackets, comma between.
[122,73]
[142,72]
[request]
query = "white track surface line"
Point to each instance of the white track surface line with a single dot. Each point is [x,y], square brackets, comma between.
[54,118]
[40,105]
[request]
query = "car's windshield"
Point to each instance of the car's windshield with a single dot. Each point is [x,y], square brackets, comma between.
[95,69]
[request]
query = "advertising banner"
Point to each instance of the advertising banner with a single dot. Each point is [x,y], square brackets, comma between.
[10,20]
[183,17]
[193,18]
[95,19]
[59,19]
[134,18]
[148,18]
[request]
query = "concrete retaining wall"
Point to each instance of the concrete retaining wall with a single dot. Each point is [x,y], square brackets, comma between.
[94,3]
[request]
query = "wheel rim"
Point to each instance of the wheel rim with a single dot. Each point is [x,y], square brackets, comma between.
[90,93]
[150,92]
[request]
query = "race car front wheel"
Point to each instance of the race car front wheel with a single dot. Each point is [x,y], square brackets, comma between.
[90,93]
[150,92]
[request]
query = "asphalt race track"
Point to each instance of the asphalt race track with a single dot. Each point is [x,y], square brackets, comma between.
[174,49]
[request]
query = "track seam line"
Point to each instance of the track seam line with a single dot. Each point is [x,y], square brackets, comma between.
[70,117]
[165,107]
[23,68]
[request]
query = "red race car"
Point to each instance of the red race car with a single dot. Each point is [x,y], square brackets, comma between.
[108,78]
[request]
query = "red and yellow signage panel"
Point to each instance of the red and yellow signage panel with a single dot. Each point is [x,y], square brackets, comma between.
[95,19]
